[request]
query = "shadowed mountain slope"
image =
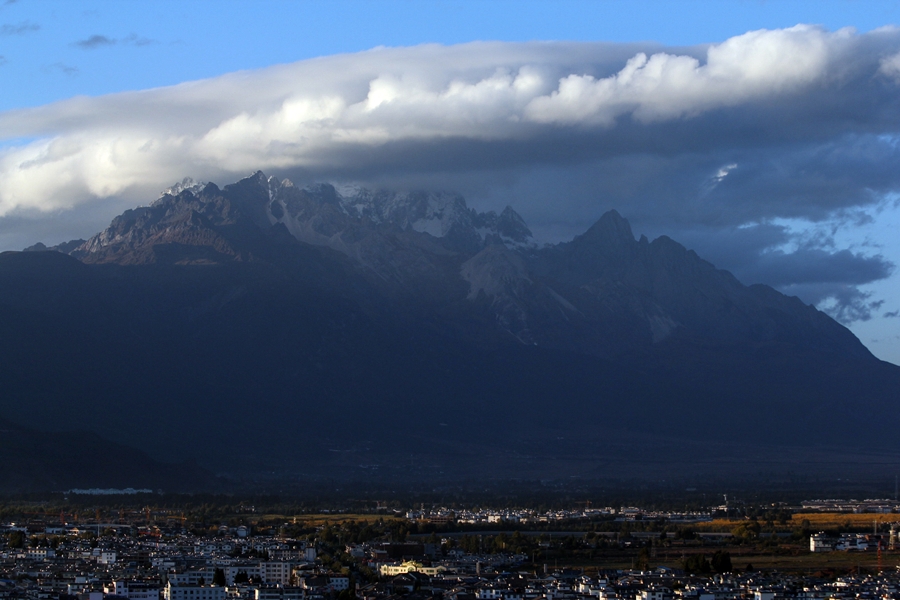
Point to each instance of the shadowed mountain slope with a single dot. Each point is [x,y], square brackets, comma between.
[312,331]
[58,461]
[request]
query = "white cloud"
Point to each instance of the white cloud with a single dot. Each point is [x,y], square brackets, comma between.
[346,114]
[724,171]
[666,86]
[890,66]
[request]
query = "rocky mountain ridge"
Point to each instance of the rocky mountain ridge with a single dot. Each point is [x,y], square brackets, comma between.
[604,292]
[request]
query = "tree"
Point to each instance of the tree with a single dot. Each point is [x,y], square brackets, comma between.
[642,563]
[696,563]
[747,530]
[16,539]
[218,577]
[721,562]
[469,543]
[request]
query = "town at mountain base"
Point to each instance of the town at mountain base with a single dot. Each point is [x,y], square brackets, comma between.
[334,331]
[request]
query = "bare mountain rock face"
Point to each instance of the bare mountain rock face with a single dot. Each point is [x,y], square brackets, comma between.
[339,327]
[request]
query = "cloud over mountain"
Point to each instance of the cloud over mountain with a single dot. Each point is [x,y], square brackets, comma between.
[795,124]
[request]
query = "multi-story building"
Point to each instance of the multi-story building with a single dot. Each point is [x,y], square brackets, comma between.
[193,592]
[133,590]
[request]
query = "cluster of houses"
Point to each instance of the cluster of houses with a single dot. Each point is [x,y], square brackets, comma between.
[177,567]
[524,516]
[660,584]
[875,505]
[171,564]
[859,542]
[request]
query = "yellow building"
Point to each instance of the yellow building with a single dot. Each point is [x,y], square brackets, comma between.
[409,567]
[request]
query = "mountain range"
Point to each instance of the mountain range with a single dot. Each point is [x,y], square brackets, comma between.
[325,331]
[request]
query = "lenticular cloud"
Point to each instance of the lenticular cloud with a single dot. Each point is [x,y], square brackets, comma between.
[398,108]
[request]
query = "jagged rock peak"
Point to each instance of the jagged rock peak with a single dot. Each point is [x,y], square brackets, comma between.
[611,228]
[512,226]
[438,213]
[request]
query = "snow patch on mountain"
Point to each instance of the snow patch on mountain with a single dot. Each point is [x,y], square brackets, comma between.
[562,301]
[442,215]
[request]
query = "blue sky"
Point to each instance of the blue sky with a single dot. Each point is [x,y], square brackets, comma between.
[164,42]
[773,154]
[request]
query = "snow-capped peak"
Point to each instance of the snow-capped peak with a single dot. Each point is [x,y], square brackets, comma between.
[186,184]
